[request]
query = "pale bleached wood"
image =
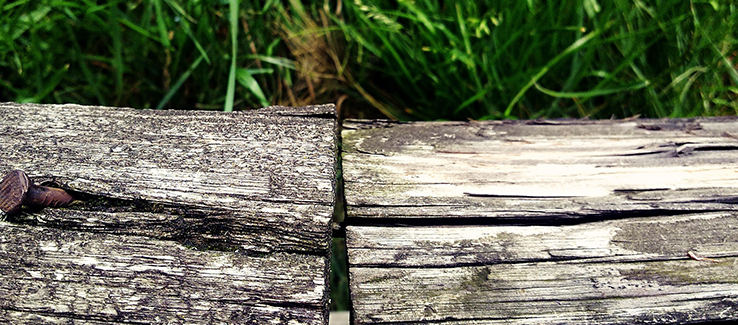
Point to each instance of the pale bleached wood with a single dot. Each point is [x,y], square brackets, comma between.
[565,170]
[624,240]
[182,217]
[542,222]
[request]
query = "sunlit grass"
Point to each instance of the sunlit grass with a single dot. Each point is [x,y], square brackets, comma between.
[407,59]
[530,59]
[144,54]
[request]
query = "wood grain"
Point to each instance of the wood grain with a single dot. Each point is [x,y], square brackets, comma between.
[560,170]
[542,222]
[181,217]
[610,272]
[55,276]
[548,293]
[616,241]
[239,174]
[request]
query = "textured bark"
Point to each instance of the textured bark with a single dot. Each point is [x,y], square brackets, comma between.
[590,222]
[180,216]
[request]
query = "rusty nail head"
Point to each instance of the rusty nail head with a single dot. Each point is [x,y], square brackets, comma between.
[16,189]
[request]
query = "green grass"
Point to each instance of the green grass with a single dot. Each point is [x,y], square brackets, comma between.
[144,54]
[407,59]
[530,59]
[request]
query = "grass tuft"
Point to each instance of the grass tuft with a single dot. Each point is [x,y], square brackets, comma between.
[480,59]
[404,59]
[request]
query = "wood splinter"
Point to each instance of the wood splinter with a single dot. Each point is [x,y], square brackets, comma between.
[697,258]
[16,190]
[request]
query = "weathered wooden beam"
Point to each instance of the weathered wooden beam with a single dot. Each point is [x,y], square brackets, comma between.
[590,222]
[180,217]
[570,169]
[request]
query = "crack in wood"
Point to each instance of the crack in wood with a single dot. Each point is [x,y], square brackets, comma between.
[547,219]
[72,316]
[520,196]
[635,258]
[192,226]
[690,148]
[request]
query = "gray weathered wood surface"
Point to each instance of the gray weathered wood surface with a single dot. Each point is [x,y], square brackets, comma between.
[545,222]
[183,216]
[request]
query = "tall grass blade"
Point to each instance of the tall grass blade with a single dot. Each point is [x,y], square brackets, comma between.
[161,25]
[729,65]
[168,96]
[231,91]
[472,99]
[592,93]
[26,21]
[188,31]
[118,65]
[245,78]
[571,49]
[48,87]
[143,31]
[278,61]
[174,5]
